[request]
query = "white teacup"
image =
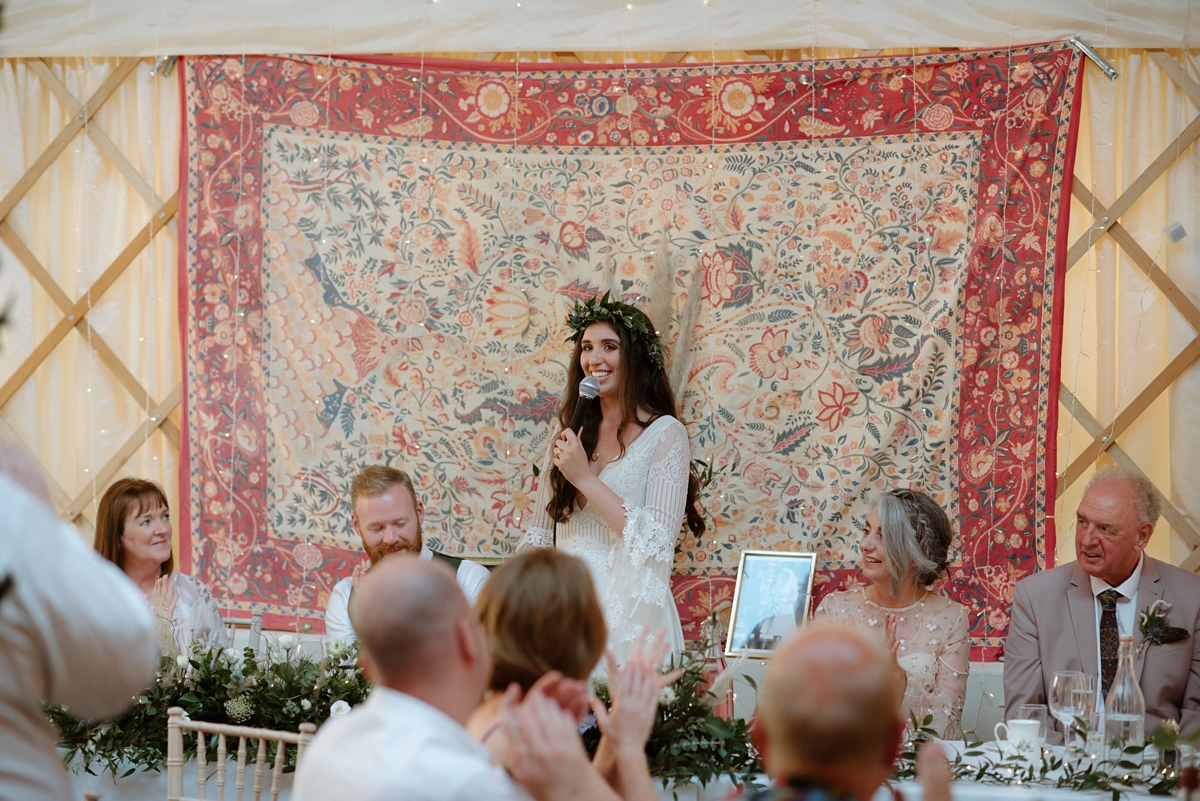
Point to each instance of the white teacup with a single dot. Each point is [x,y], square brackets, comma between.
[1021,735]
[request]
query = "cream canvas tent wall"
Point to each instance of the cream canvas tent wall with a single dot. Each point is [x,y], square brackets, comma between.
[89,134]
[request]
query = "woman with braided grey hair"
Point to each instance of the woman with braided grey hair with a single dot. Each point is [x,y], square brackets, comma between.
[905,548]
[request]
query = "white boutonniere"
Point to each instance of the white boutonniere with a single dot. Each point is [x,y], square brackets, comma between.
[1154,628]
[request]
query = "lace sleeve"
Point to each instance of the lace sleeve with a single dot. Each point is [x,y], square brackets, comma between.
[945,699]
[539,530]
[953,666]
[639,591]
[828,610]
[197,618]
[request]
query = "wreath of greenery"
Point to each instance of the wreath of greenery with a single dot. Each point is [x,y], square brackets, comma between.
[604,309]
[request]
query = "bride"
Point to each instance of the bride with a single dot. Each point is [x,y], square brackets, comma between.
[619,491]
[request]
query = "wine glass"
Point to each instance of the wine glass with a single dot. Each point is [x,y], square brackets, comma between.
[1063,699]
[1085,697]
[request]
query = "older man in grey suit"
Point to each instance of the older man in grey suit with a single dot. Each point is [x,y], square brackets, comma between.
[1071,617]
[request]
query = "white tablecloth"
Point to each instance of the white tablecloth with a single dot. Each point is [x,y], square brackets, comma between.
[150,786]
[975,791]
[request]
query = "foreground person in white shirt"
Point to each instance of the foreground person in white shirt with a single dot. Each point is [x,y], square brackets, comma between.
[73,631]
[427,654]
[387,516]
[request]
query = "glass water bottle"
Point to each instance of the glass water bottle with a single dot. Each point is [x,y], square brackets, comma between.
[1124,708]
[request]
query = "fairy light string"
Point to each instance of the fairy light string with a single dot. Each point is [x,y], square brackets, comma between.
[709,549]
[229,472]
[1095,231]
[81,150]
[510,253]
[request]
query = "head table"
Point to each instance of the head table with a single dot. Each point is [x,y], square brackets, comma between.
[144,785]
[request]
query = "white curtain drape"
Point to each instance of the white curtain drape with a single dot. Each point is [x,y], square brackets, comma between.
[73,414]
[1119,331]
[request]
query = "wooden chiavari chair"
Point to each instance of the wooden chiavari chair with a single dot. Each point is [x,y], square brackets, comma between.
[176,725]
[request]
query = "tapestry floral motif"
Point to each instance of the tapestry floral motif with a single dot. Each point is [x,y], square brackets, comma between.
[381,259]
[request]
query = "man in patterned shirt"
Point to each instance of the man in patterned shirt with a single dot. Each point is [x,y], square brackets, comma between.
[829,722]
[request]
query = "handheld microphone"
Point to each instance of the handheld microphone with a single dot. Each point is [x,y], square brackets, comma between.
[589,388]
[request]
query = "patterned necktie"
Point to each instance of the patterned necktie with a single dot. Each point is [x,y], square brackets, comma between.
[1110,639]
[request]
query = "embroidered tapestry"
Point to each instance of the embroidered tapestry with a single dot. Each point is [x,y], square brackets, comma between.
[853,264]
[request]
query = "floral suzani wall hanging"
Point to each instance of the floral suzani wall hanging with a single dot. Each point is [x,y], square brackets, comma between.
[854,264]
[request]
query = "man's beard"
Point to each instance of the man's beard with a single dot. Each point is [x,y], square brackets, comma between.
[412,547]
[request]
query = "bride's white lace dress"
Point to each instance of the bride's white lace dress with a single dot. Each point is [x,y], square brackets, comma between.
[932,647]
[631,569]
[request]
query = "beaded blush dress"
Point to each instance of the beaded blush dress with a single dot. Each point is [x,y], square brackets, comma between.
[932,648]
[631,569]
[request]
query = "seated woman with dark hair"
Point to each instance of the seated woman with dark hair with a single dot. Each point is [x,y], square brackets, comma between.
[905,548]
[544,623]
[133,531]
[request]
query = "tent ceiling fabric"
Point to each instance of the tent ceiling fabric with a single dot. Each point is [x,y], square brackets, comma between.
[191,27]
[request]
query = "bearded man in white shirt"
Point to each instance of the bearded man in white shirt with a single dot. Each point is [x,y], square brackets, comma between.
[387,516]
[427,654]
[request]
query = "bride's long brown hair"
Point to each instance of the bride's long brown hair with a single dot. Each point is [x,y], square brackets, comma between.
[644,386]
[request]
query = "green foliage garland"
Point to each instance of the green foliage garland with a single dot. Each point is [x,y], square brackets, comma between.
[688,742]
[1117,777]
[276,690]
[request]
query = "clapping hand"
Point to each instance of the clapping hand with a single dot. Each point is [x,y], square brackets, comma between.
[893,645]
[634,688]
[360,570]
[889,632]
[933,771]
[545,752]
[570,694]
[163,598]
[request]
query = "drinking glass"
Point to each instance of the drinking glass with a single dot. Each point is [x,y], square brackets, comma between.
[1062,702]
[1085,702]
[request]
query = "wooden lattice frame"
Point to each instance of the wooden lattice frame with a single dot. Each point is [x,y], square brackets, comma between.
[1107,222]
[74,312]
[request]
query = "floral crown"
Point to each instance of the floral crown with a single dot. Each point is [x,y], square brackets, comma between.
[614,311]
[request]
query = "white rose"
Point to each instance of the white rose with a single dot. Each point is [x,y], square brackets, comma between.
[306,704]
[232,655]
[667,696]
[181,660]
[288,641]
[338,709]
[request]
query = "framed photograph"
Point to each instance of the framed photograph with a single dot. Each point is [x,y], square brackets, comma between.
[770,601]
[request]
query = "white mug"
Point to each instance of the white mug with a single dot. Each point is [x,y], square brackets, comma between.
[1023,735]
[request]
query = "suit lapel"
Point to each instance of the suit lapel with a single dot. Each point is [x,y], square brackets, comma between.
[1082,606]
[1150,589]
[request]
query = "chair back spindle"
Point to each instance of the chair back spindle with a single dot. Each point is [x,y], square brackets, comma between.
[176,726]
[201,764]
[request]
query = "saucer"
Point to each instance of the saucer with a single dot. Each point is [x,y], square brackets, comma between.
[1006,751]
